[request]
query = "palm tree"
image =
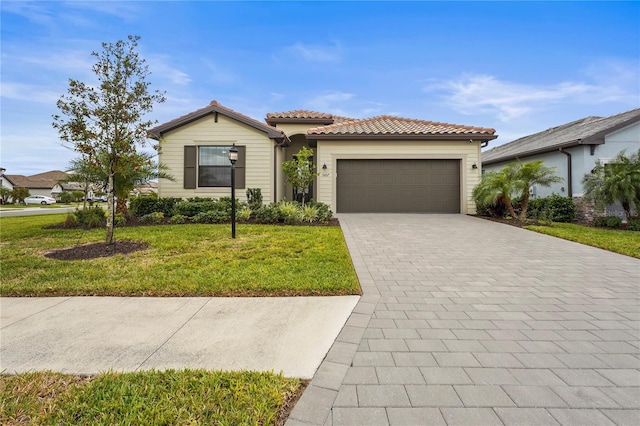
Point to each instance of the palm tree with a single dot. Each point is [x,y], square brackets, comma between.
[496,186]
[618,181]
[533,173]
[514,180]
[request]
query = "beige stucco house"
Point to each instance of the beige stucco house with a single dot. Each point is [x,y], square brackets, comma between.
[379,164]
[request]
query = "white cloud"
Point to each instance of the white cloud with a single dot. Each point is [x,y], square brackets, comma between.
[160,67]
[28,92]
[472,94]
[331,101]
[216,73]
[317,53]
[128,11]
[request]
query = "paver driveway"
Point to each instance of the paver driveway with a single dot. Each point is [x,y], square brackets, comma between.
[466,321]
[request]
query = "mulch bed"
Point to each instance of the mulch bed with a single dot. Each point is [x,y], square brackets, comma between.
[95,250]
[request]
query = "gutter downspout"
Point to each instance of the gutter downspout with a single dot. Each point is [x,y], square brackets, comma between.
[569,173]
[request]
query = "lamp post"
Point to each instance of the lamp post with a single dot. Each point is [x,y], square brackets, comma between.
[233,157]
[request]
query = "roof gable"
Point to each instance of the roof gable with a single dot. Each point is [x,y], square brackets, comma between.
[392,126]
[585,131]
[215,108]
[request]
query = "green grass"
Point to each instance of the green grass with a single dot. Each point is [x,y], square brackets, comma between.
[617,241]
[149,397]
[182,260]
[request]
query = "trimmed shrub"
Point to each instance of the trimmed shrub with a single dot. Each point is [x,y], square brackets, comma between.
[155,217]
[119,220]
[178,219]
[608,222]
[555,208]
[167,204]
[91,217]
[269,214]
[291,212]
[633,225]
[143,205]
[212,216]
[193,206]
[254,198]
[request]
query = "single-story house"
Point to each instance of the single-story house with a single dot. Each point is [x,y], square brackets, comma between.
[378,164]
[572,148]
[39,184]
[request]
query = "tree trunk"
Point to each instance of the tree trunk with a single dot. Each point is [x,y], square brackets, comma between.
[507,202]
[110,210]
[627,209]
[525,206]
[121,206]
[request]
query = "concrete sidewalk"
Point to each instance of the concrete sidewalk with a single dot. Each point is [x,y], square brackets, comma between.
[87,335]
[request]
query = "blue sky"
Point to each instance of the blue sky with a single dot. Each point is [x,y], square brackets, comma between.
[519,67]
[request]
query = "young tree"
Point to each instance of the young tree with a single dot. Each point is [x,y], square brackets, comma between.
[618,181]
[19,193]
[125,180]
[299,171]
[514,180]
[106,123]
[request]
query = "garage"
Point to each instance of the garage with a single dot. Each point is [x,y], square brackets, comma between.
[398,186]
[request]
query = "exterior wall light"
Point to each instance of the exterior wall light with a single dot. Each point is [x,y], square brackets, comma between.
[474,166]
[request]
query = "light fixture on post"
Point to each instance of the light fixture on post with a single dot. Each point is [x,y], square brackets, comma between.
[233,157]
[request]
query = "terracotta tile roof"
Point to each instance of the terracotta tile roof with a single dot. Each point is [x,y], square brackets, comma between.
[299,113]
[304,116]
[392,125]
[213,107]
[585,131]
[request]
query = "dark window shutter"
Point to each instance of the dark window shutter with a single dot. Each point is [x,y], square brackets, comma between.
[240,166]
[190,166]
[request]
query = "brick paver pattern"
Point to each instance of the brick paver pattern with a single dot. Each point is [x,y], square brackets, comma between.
[467,321]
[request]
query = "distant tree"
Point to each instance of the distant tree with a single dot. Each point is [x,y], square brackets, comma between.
[617,181]
[5,193]
[299,171]
[514,181]
[105,122]
[19,193]
[77,195]
[126,179]
[67,197]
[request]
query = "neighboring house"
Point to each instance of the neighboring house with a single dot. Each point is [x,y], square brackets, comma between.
[146,189]
[379,164]
[49,183]
[39,184]
[61,187]
[572,148]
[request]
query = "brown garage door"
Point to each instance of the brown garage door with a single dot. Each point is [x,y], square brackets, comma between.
[398,186]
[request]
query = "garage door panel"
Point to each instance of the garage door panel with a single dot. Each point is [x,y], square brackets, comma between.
[395,186]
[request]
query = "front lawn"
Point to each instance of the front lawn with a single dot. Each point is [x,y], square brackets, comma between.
[148,397]
[182,260]
[617,241]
